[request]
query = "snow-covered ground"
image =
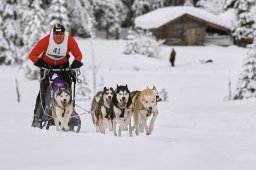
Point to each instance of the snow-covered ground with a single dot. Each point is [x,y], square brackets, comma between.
[197,129]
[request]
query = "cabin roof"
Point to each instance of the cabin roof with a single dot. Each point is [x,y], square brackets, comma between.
[161,16]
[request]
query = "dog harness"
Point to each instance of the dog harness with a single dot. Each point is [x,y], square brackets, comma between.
[108,110]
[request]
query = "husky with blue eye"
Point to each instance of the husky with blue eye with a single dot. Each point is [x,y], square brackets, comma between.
[122,110]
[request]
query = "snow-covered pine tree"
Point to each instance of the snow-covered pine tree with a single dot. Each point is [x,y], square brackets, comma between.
[135,8]
[246,87]
[10,33]
[144,6]
[131,46]
[107,17]
[4,46]
[58,13]
[144,43]
[128,13]
[34,30]
[244,26]
[141,7]
[81,22]
[214,6]
[157,4]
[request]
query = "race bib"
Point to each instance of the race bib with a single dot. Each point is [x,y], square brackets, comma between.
[57,51]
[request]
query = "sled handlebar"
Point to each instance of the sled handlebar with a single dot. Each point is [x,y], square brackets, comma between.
[60,69]
[46,71]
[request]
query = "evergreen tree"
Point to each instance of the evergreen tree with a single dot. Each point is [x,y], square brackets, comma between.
[58,13]
[213,6]
[246,87]
[10,33]
[128,12]
[107,16]
[35,27]
[144,6]
[246,19]
[144,43]
[81,21]
[33,32]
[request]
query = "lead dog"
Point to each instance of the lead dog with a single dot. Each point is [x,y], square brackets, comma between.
[122,110]
[145,103]
[134,94]
[101,110]
[62,107]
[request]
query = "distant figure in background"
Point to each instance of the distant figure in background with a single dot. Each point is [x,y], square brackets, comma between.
[172,57]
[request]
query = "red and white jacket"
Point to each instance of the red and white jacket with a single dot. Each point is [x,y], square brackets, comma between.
[45,45]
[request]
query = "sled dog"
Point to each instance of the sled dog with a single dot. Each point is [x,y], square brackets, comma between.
[134,94]
[122,110]
[101,109]
[62,107]
[145,103]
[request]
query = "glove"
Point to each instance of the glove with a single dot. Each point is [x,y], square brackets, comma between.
[76,64]
[39,63]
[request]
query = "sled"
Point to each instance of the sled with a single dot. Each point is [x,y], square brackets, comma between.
[45,119]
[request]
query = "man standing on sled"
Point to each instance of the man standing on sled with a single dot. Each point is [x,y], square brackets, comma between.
[53,49]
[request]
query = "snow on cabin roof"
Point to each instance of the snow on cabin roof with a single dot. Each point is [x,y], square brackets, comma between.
[162,16]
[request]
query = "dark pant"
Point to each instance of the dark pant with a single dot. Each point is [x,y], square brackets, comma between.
[44,84]
[172,63]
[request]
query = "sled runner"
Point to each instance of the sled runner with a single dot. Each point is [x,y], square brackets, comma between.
[62,86]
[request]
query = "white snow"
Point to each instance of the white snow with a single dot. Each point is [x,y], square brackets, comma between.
[196,129]
[230,14]
[162,16]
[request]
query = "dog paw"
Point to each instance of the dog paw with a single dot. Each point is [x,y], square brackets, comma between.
[67,129]
[148,133]
[151,130]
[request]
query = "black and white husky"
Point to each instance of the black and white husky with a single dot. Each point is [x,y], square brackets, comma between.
[122,110]
[101,110]
[62,107]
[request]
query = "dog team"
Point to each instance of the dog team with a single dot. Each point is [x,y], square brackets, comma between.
[114,109]
[110,109]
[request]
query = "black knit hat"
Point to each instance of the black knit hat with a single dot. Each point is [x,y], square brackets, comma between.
[58,28]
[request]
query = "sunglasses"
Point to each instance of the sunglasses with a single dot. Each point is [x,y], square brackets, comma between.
[59,33]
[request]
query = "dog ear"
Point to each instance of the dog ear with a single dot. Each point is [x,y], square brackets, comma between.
[129,100]
[154,88]
[67,86]
[117,86]
[58,91]
[126,86]
[111,89]
[105,89]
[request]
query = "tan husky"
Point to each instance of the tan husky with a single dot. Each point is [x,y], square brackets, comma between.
[145,103]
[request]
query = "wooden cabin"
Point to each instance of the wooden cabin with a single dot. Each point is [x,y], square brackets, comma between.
[180,27]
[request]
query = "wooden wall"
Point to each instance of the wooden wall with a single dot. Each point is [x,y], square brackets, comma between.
[182,31]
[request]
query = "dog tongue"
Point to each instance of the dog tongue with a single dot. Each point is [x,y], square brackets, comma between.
[109,101]
[123,104]
[149,112]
